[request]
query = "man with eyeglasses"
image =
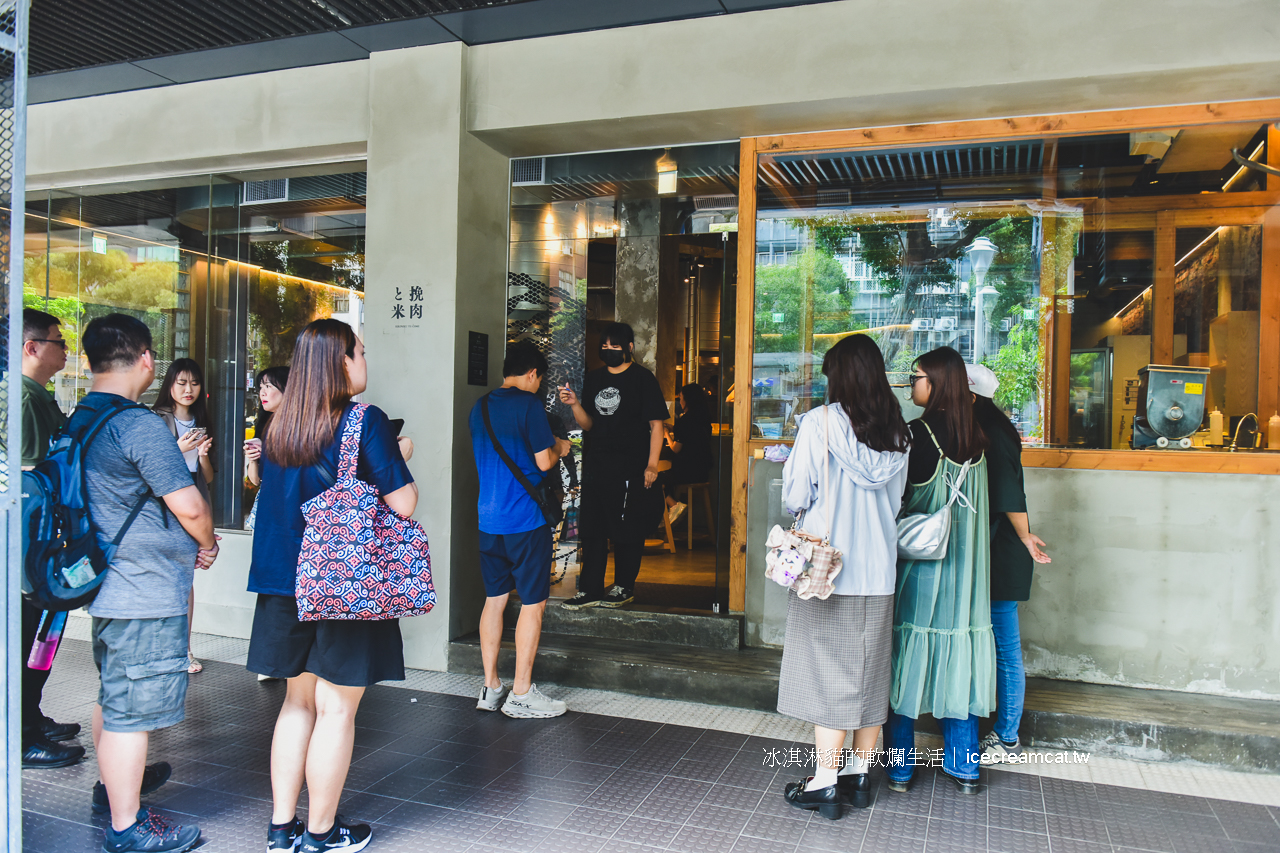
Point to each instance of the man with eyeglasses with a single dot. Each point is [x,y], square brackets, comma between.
[44,353]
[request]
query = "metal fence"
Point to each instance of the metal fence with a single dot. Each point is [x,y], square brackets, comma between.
[13,127]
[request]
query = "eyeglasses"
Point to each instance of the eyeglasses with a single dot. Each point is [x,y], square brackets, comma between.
[59,341]
[916,376]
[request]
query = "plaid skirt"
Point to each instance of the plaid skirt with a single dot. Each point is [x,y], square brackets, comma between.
[835,664]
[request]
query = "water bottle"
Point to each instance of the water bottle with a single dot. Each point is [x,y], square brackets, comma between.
[48,636]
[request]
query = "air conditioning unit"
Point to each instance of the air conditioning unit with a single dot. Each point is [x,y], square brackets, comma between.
[258,192]
[921,324]
[529,172]
[715,202]
[945,324]
[1006,324]
[833,198]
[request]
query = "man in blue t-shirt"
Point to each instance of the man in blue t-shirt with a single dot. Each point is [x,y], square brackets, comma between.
[515,539]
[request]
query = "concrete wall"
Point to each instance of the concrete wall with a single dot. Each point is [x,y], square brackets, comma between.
[1157,580]
[437,122]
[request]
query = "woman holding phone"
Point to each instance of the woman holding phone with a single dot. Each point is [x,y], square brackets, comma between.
[181,404]
[271,385]
[327,663]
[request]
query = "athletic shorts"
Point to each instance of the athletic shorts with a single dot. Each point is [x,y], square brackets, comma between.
[142,669]
[519,561]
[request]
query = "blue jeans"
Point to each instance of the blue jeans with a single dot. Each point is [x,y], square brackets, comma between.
[959,747]
[1011,678]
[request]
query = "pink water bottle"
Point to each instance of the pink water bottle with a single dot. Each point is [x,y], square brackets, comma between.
[48,636]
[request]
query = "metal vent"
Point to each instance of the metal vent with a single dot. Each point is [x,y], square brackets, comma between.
[715,202]
[833,198]
[945,324]
[257,192]
[921,324]
[528,172]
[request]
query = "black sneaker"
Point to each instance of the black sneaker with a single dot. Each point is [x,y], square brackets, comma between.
[350,837]
[286,838]
[58,731]
[151,834]
[43,754]
[617,597]
[153,777]
[581,600]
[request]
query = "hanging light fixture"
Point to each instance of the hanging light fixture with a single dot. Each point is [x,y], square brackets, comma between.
[667,173]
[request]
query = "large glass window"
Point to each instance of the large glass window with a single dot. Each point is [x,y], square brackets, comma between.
[1093,274]
[223,269]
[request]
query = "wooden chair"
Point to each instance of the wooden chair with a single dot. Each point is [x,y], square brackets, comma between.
[688,501]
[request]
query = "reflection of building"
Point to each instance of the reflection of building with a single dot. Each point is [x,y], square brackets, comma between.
[1116,237]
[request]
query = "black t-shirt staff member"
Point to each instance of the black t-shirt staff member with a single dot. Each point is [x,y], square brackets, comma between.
[621,415]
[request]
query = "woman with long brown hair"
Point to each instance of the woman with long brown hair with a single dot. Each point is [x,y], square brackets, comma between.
[846,473]
[328,663]
[943,648]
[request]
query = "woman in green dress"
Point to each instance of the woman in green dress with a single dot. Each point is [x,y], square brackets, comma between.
[943,648]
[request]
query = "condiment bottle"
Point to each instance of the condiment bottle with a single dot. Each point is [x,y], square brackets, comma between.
[1273,432]
[1217,431]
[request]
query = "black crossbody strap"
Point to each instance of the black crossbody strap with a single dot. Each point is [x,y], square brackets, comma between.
[497,445]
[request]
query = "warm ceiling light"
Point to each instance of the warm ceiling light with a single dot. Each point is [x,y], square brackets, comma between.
[667,173]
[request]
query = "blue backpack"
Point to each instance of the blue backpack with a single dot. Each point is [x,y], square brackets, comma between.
[64,559]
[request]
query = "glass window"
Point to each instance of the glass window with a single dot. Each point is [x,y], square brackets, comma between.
[223,269]
[1072,267]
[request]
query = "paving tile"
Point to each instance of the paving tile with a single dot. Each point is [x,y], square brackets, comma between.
[1253,831]
[1011,841]
[652,833]
[720,818]
[513,835]
[899,824]
[699,839]
[666,807]
[1019,820]
[593,822]
[542,812]
[954,834]
[1144,837]
[416,816]
[969,808]
[464,825]
[749,844]
[778,828]
[1011,797]
[1079,828]
[837,835]
[493,803]
[1072,845]
[733,797]
[569,842]
[618,846]
[1228,810]
[580,771]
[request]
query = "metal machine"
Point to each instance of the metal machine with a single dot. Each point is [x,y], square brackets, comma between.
[1170,405]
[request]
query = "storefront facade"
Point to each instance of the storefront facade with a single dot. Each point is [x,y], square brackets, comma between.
[1163,574]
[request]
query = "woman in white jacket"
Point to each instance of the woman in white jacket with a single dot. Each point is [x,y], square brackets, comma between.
[848,470]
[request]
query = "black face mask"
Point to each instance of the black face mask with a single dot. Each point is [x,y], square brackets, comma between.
[612,357]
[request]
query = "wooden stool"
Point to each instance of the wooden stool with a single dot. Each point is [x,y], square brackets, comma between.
[669,543]
[688,501]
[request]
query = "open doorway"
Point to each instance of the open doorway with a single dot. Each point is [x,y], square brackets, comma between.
[594,241]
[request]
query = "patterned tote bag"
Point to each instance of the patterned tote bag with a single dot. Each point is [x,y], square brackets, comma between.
[360,559]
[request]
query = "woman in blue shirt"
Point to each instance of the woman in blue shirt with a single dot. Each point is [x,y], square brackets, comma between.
[328,663]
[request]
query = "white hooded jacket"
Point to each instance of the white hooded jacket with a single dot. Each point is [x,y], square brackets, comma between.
[865,494]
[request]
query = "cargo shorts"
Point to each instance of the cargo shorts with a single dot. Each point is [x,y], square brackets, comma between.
[142,670]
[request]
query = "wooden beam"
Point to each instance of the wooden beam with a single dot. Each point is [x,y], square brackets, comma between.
[744,346]
[1178,461]
[1162,289]
[1269,321]
[1069,124]
[1193,201]
[1273,155]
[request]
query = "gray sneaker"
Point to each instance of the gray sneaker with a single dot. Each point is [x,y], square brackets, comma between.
[491,700]
[996,751]
[617,596]
[532,705]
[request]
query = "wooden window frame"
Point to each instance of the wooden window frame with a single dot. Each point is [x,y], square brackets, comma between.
[1162,214]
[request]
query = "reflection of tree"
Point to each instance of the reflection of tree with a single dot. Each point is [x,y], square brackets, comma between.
[110,279]
[280,309]
[68,309]
[812,291]
[1017,365]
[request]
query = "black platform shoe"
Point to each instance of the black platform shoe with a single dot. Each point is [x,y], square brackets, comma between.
[825,801]
[855,788]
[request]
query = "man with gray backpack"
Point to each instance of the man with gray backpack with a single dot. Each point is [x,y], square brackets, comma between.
[151,528]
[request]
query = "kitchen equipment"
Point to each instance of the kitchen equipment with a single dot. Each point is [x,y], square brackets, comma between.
[1170,405]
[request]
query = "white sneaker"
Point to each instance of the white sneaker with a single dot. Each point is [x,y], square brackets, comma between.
[532,705]
[677,509]
[491,700]
[262,677]
[996,751]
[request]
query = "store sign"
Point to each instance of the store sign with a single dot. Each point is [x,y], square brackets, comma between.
[99,245]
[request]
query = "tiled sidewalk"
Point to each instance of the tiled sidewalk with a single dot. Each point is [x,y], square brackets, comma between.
[433,774]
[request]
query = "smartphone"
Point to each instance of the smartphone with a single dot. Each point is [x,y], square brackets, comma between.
[397,424]
[198,431]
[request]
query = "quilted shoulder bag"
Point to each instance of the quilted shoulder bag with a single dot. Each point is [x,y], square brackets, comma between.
[360,559]
[799,560]
[924,535]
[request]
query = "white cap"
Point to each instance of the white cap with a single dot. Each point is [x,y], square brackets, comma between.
[981,380]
